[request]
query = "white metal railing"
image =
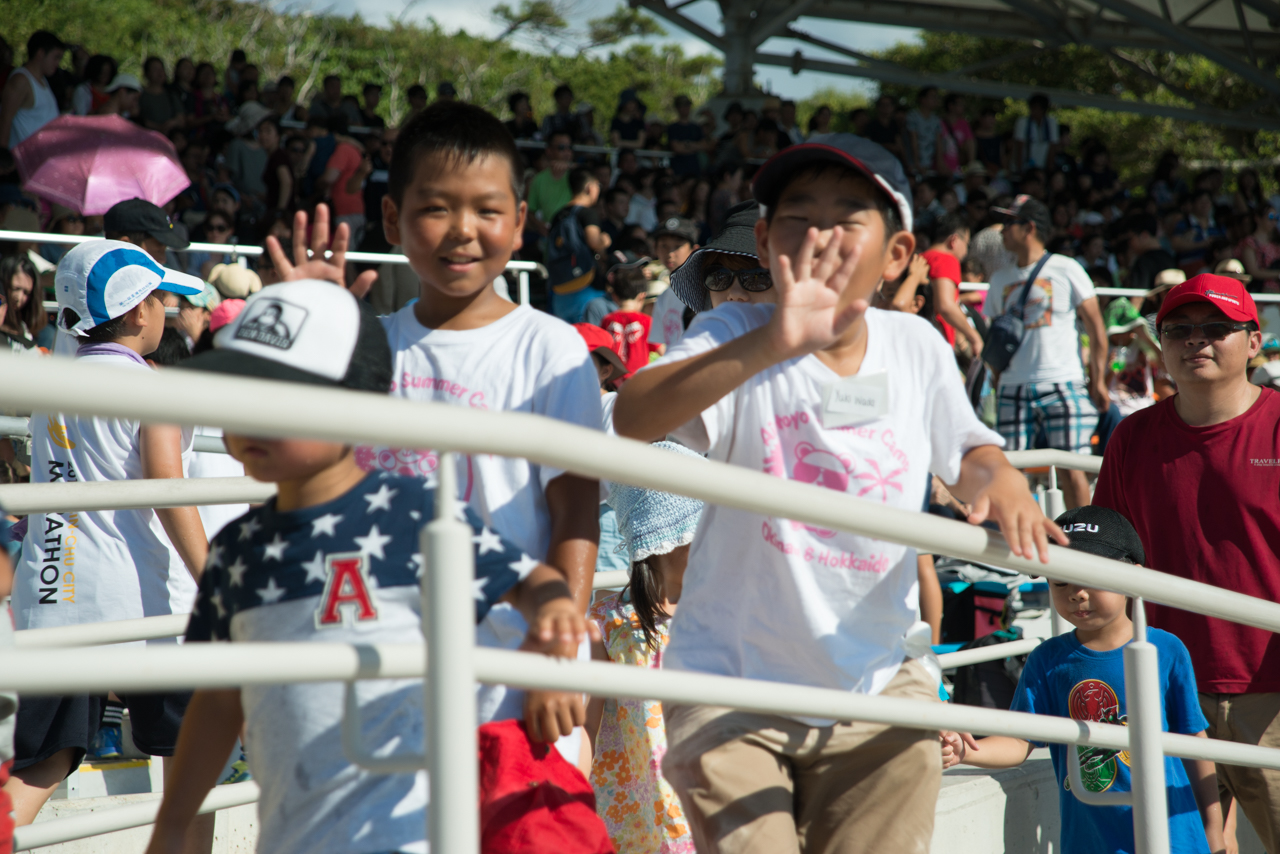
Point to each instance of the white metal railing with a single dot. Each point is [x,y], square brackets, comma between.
[122,818]
[20,427]
[276,409]
[1115,292]
[522,269]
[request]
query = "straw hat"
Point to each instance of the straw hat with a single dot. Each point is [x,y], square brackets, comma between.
[249,116]
[1165,280]
[1232,269]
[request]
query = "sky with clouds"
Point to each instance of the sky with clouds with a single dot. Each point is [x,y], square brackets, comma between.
[475,17]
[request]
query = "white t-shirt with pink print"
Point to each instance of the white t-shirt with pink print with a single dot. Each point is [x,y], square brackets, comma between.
[768,598]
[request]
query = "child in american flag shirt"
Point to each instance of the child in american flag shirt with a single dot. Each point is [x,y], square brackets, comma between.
[332,558]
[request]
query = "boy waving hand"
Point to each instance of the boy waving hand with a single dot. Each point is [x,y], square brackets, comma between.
[822,389]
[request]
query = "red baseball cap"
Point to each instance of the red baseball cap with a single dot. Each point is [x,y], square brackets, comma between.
[599,339]
[1226,294]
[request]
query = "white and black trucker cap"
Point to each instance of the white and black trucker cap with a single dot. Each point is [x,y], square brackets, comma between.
[307,331]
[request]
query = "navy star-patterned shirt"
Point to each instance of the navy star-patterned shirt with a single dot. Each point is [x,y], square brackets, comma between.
[347,571]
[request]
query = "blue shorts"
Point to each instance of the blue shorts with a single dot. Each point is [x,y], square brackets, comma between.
[1039,416]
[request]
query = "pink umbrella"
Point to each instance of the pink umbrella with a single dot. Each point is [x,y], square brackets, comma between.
[88,163]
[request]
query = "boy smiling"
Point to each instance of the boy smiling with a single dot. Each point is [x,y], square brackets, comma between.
[821,389]
[454,206]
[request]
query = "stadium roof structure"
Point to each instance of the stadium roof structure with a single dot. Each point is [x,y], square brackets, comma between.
[1241,36]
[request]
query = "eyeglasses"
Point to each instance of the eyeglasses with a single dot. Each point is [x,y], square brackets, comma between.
[218,229]
[754,281]
[1214,330]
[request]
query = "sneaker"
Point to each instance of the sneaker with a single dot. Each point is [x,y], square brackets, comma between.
[107,744]
[239,773]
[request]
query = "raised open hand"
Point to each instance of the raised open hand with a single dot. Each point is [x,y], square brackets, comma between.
[316,266]
[810,315]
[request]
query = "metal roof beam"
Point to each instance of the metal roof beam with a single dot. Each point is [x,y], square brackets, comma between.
[898,75]
[1191,41]
[1055,29]
[765,30]
[1003,24]
[660,8]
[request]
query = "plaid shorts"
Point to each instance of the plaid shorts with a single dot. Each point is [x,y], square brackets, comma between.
[1036,416]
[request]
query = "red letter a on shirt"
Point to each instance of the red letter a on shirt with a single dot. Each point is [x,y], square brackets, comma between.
[348,585]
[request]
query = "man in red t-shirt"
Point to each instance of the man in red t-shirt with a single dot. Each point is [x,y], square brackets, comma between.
[950,245]
[1198,475]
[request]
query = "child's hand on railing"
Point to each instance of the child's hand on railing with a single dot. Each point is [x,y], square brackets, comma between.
[316,266]
[955,746]
[557,629]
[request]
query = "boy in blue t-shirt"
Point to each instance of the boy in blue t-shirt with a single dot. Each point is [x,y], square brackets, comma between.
[332,558]
[1080,675]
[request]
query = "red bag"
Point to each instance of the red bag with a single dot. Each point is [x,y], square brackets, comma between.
[531,800]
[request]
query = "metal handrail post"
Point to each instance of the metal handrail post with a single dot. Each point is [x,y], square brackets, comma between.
[1146,755]
[523,278]
[453,824]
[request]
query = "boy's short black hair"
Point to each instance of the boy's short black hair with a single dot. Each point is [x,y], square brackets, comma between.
[888,210]
[947,225]
[580,177]
[627,283]
[614,193]
[43,41]
[171,350]
[1142,223]
[562,89]
[515,98]
[458,131]
[417,90]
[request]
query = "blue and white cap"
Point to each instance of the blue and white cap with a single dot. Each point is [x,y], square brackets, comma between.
[102,279]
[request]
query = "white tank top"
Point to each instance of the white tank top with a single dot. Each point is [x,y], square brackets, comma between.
[92,566]
[43,111]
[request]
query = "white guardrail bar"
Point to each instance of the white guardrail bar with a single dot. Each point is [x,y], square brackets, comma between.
[122,818]
[286,410]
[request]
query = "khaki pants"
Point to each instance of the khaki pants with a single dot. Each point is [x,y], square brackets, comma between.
[766,784]
[1248,719]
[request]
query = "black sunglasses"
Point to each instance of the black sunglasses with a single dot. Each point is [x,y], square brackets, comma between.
[1214,330]
[755,280]
[218,229]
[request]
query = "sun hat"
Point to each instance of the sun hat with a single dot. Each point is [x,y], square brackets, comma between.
[1270,343]
[207,298]
[234,281]
[1227,295]
[860,154]
[100,280]
[139,216]
[229,189]
[652,522]
[1267,374]
[1232,269]
[306,331]
[1103,532]
[1166,279]
[1122,317]
[249,116]
[124,81]
[738,237]
[225,313]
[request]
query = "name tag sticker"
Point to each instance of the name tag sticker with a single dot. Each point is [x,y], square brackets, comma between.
[855,399]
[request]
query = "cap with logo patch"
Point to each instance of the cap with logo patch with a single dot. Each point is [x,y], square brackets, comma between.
[306,331]
[1103,532]
[1225,294]
[100,280]
[861,155]
[677,226]
[139,216]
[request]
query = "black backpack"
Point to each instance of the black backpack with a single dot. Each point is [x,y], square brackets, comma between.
[568,255]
